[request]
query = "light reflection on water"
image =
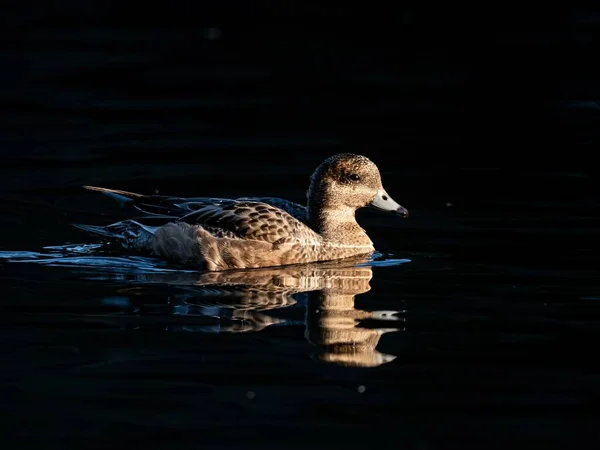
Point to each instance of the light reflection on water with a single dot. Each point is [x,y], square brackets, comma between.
[319,297]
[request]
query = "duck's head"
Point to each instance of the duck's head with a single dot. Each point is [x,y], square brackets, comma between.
[350,181]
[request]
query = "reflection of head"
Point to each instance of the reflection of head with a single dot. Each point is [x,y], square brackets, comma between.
[333,325]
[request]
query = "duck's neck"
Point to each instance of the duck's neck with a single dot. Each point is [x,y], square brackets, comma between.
[338,226]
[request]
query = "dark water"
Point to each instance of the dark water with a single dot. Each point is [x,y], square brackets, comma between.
[474,326]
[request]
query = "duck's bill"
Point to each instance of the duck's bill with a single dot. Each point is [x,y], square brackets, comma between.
[384,202]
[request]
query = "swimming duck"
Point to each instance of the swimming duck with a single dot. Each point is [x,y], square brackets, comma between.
[220,234]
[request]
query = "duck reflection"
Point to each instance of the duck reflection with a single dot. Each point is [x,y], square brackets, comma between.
[252,300]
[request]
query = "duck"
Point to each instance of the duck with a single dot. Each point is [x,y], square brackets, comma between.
[217,234]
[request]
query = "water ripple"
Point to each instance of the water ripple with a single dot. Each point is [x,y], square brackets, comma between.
[98,257]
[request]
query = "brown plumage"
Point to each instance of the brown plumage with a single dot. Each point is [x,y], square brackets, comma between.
[219,234]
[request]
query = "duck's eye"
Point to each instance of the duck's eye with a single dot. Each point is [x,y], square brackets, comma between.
[354,177]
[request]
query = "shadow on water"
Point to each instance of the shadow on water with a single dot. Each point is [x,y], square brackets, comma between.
[318,296]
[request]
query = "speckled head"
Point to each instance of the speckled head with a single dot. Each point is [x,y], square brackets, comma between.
[349,181]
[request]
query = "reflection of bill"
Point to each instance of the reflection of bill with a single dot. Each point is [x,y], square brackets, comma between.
[250,298]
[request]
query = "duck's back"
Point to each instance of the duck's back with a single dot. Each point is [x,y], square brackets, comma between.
[251,220]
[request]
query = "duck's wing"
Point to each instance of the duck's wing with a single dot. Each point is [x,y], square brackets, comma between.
[251,220]
[179,206]
[293,209]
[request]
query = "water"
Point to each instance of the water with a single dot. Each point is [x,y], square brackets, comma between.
[475,325]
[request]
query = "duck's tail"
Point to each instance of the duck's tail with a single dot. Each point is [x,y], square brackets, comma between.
[129,233]
[123,197]
[154,205]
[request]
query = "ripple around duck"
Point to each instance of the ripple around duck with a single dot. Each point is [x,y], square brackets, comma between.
[99,258]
